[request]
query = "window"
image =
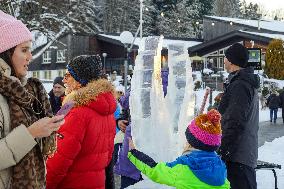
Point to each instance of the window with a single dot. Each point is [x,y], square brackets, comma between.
[221,65]
[46,57]
[61,72]
[47,74]
[61,55]
[36,74]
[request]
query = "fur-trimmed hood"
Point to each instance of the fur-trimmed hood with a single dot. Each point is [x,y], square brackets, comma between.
[98,95]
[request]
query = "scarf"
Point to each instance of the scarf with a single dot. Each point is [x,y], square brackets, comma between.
[28,104]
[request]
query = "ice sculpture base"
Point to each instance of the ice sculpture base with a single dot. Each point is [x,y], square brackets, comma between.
[148,184]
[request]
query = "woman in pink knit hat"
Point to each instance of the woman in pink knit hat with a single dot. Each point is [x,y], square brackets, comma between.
[24,112]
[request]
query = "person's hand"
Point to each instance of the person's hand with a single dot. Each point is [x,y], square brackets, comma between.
[122,125]
[45,126]
[131,144]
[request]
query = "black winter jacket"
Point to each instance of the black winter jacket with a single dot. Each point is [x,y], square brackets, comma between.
[273,101]
[55,102]
[239,107]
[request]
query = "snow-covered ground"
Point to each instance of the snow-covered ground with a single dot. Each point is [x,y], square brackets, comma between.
[271,152]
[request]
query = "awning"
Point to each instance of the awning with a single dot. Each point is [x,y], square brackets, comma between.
[196,58]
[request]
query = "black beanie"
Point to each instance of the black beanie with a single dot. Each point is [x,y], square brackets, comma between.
[238,55]
[58,80]
[85,68]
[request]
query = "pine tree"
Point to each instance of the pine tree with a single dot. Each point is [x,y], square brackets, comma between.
[249,11]
[120,15]
[188,14]
[165,5]
[85,16]
[206,8]
[226,8]
[151,15]
[274,60]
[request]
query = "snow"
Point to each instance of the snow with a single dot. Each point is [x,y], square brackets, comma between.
[272,36]
[270,152]
[271,25]
[166,42]
[39,39]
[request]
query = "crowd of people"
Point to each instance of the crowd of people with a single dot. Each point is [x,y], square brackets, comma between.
[92,140]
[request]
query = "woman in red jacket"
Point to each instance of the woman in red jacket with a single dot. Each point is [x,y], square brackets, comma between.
[85,141]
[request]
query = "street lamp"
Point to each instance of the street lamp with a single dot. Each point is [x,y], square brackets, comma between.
[126,38]
[104,55]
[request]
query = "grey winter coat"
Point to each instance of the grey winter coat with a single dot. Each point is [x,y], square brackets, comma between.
[15,144]
[240,118]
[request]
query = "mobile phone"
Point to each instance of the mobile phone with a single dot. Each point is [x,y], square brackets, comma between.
[65,109]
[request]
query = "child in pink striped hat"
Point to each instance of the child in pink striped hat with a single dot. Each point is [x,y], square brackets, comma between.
[198,167]
[204,132]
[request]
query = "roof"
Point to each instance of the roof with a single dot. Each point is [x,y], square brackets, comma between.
[272,25]
[268,35]
[115,39]
[229,39]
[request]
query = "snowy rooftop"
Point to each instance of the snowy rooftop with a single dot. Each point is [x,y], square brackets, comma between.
[272,36]
[165,41]
[272,25]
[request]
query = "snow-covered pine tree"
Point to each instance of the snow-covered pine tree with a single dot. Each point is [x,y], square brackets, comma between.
[150,16]
[226,8]
[181,20]
[206,8]
[85,16]
[165,5]
[249,11]
[120,15]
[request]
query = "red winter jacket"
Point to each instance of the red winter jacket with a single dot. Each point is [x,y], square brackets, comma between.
[85,140]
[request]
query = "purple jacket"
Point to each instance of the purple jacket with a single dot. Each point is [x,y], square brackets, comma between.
[123,165]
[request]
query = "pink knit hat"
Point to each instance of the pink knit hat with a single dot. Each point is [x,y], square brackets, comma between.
[204,132]
[12,32]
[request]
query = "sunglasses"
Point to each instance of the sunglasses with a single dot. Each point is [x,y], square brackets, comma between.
[67,75]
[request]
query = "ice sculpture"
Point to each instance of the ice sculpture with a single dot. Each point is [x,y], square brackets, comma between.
[158,123]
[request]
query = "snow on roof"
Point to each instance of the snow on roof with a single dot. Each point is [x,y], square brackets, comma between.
[38,39]
[269,35]
[165,41]
[272,25]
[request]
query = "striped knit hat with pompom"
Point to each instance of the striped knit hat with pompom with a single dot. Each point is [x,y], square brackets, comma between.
[204,132]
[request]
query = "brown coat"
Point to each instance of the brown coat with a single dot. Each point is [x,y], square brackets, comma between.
[14,145]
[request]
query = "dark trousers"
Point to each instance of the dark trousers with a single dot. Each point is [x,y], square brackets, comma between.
[115,152]
[241,176]
[109,183]
[273,114]
[127,181]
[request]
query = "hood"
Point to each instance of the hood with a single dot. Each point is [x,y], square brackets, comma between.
[124,100]
[247,74]
[206,166]
[97,95]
